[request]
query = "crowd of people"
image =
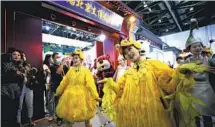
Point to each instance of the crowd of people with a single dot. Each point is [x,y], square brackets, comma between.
[141,90]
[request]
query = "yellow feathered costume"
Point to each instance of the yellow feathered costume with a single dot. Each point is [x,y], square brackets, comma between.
[78,95]
[135,100]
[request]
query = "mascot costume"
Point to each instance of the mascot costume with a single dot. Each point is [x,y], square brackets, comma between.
[104,70]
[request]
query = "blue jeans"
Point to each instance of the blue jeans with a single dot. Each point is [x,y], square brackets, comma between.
[52,103]
[29,96]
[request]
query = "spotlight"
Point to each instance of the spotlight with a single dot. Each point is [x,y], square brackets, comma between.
[102,37]
[53,17]
[145,5]
[47,28]
[159,20]
[132,19]
[193,20]
[73,23]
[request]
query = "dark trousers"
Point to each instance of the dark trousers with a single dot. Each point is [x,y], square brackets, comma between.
[9,109]
[100,91]
[207,121]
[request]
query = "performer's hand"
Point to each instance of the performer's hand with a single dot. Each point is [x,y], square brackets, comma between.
[211,70]
[103,80]
[185,71]
[99,99]
[188,73]
[63,62]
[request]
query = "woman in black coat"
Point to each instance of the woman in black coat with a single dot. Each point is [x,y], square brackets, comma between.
[12,81]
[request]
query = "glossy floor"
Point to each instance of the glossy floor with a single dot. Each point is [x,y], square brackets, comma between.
[97,121]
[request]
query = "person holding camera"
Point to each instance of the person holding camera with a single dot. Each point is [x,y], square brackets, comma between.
[27,91]
[46,79]
[57,73]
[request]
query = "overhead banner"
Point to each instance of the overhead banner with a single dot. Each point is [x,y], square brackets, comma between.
[92,10]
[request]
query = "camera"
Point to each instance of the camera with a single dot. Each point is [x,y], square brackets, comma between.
[31,77]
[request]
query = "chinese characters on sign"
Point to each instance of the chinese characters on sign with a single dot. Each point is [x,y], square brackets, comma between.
[94,11]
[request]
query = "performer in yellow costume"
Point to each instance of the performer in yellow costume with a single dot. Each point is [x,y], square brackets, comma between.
[137,101]
[78,94]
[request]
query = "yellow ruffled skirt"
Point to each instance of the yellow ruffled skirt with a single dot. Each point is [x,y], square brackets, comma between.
[76,104]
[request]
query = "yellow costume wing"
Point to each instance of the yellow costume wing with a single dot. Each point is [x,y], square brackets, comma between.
[181,99]
[90,84]
[112,92]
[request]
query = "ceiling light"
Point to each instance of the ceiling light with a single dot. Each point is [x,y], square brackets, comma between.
[193,20]
[150,9]
[102,37]
[73,29]
[159,20]
[191,9]
[47,28]
[68,27]
[132,19]
[145,5]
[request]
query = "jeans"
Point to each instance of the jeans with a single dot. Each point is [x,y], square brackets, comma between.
[52,103]
[46,102]
[29,96]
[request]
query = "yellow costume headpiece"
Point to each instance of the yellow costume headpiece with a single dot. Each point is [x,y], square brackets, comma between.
[79,52]
[208,50]
[126,43]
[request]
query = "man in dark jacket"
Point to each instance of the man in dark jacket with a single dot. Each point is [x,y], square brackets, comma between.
[57,73]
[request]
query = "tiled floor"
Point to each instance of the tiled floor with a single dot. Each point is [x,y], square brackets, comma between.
[97,121]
